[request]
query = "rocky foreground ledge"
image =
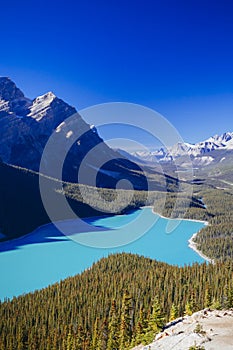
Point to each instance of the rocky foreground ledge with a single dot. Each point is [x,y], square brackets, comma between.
[211,329]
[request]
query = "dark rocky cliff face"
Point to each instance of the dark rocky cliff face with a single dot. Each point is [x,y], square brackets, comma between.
[26,125]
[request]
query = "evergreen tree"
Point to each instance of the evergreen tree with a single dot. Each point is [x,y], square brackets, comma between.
[191,305]
[216,304]
[113,335]
[188,309]
[193,302]
[86,343]
[55,340]
[80,338]
[19,339]
[230,298]
[141,327]
[103,336]
[126,322]
[156,321]
[69,340]
[208,299]
[95,335]
[173,313]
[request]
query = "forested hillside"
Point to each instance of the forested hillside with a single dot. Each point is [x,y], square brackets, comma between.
[121,301]
[216,239]
[22,209]
[208,204]
[124,299]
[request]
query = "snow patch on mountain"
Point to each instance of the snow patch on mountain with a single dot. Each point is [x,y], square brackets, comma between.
[150,156]
[12,99]
[229,145]
[198,152]
[213,143]
[41,105]
[4,106]
[205,160]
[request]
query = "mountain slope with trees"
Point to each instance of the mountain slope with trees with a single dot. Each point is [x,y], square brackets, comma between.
[105,305]
[22,209]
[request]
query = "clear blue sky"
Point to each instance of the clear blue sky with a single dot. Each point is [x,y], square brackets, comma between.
[173,56]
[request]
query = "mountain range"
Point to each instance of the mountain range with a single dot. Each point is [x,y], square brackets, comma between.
[201,154]
[25,128]
[27,124]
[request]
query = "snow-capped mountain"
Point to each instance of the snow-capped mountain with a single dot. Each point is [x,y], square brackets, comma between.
[229,145]
[26,125]
[151,156]
[201,153]
[213,143]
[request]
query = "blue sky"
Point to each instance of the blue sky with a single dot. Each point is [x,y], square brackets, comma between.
[170,55]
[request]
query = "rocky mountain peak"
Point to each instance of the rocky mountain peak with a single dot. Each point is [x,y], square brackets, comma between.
[12,99]
[8,90]
[202,153]
[40,105]
[49,108]
[26,126]
[48,97]
[227,136]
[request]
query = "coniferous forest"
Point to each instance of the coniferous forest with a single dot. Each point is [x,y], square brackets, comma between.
[214,206]
[108,110]
[124,300]
[20,186]
[121,301]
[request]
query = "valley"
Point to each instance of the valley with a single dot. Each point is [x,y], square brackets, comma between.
[111,233]
[116,181]
[54,256]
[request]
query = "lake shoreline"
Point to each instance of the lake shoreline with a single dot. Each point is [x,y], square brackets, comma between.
[43,257]
[193,245]
[5,239]
[191,242]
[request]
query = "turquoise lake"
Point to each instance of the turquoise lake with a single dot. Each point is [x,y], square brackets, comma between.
[46,255]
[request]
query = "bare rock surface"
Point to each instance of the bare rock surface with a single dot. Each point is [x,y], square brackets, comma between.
[212,329]
[26,126]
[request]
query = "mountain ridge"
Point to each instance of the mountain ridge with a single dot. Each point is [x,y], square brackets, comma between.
[27,124]
[201,153]
[223,141]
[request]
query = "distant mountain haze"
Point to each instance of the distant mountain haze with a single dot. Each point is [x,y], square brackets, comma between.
[202,153]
